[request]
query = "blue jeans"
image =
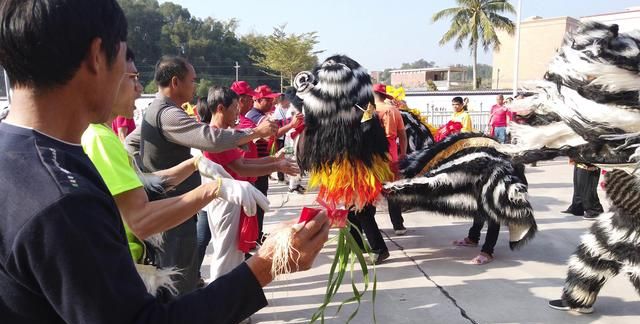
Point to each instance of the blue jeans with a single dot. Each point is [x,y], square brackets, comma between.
[203,236]
[500,133]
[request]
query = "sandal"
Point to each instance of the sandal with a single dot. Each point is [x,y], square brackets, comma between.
[481,259]
[465,242]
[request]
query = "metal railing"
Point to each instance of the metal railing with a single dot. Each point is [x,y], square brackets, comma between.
[479,119]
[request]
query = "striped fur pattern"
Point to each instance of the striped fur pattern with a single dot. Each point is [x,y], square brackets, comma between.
[601,64]
[589,100]
[469,181]
[611,246]
[331,96]
[418,135]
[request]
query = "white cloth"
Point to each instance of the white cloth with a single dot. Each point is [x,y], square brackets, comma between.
[294,181]
[281,113]
[224,223]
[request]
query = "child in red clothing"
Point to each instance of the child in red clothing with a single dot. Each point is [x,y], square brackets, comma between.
[226,219]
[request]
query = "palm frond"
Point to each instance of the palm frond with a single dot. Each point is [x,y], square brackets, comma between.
[498,6]
[445,13]
[501,22]
[475,22]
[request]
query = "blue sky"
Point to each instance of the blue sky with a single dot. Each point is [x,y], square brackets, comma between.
[378,34]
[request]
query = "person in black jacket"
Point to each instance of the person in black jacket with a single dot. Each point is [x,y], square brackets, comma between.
[63,251]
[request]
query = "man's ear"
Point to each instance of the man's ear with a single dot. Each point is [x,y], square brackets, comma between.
[175,82]
[95,56]
[220,108]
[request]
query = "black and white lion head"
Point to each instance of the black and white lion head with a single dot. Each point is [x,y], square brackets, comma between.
[337,84]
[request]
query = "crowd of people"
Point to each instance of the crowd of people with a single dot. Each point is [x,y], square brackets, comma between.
[116,215]
[67,255]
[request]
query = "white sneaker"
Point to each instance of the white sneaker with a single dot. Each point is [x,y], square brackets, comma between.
[400,232]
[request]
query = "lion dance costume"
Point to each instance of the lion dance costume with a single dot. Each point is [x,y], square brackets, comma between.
[588,109]
[344,143]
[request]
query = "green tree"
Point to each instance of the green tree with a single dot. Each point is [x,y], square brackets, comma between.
[151,87]
[476,21]
[202,90]
[145,23]
[287,54]
[419,64]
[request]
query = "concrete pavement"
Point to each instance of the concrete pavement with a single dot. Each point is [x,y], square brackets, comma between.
[428,280]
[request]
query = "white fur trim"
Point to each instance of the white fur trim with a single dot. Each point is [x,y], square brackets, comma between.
[155,278]
[586,271]
[454,179]
[459,199]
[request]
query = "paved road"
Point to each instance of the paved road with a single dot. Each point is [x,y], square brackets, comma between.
[427,280]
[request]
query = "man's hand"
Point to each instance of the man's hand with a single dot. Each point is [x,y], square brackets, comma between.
[242,193]
[307,241]
[210,169]
[288,167]
[296,120]
[266,128]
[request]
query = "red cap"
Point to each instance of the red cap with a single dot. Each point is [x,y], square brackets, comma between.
[242,88]
[264,91]
[381,89]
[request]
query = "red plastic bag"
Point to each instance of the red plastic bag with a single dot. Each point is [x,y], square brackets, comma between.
[450,128]
[248,232]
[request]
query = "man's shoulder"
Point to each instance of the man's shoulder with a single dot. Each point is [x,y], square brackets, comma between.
[254,113]
[161,104]
[97,131]
[245,123]
[37,174]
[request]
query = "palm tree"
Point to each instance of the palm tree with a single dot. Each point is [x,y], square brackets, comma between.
[477,21]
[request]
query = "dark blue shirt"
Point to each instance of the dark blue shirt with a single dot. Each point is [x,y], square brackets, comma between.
[255,116]
[63,252]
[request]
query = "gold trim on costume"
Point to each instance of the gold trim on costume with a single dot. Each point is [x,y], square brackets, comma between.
[456,147]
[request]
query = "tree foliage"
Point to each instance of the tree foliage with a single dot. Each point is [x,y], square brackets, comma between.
[211,45]
[419,64]
[476,22]
[285,53]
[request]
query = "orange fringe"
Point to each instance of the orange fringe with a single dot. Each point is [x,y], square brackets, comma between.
[350,183]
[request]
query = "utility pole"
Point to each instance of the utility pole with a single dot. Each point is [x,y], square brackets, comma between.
[516,59]
[498,80]
[237,67]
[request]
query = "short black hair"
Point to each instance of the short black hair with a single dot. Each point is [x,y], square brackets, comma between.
[219,95]
[457,100]
[202,110]
[43,42]
[170,66]
[130,55]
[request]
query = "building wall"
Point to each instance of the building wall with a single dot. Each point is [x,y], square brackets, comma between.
[375,76]
[409,79]
[539,41]
[626,20]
